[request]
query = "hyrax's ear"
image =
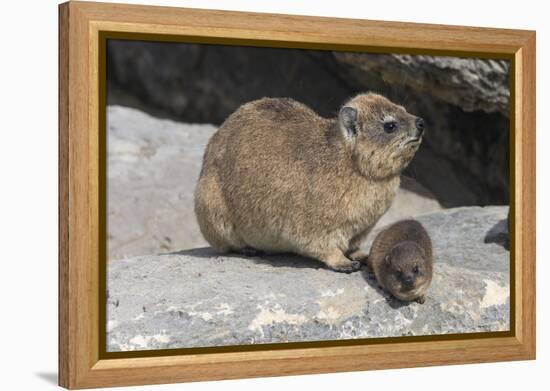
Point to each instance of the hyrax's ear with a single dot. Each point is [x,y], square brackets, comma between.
[347,120]
[387,259]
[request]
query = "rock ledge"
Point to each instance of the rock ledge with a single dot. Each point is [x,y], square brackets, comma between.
[196,298]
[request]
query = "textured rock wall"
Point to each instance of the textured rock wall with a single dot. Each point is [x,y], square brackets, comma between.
[197,298]
[471,84]
[464,160]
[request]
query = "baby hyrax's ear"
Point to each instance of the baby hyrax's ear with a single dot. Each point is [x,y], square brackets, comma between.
[347,119]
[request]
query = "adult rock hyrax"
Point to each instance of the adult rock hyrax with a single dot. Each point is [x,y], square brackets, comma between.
[401,259]
[277,177]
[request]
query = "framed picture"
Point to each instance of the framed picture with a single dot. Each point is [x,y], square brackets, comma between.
[247,195]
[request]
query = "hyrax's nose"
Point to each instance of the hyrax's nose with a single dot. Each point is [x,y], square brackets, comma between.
[419,126]
[408,281]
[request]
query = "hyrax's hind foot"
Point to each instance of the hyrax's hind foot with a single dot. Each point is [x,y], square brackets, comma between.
[338,262]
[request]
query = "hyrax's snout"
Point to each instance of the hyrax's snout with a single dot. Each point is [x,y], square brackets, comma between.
[420,125]
[408,281]
[418,130]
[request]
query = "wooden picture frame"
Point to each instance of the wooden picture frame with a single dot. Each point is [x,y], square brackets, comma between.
[82,29]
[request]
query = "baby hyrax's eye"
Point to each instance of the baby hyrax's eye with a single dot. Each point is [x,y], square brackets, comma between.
[390,126]
[415,269]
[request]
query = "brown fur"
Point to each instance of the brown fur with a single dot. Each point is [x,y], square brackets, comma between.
[279,178]
[395,253]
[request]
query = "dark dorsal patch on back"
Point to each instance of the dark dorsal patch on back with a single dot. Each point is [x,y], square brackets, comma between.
[283,109]
[277,105]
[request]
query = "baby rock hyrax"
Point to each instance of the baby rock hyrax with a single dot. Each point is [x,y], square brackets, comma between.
[277,177]
[401,259]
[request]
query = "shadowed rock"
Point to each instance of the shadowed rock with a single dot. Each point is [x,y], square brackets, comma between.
[198,298]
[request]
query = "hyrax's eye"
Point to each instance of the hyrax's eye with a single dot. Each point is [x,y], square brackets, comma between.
[415,269]
[390,126]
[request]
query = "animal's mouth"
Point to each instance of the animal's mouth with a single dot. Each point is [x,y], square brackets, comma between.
[411,140]
[408,288]
[406,295]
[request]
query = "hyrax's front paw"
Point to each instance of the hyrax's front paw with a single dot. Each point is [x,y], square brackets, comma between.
[421,299]
[338,262]
[348,267]
[359,256]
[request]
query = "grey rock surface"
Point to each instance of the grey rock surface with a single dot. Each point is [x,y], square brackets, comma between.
[411,200]
[197,298]
[153,167]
